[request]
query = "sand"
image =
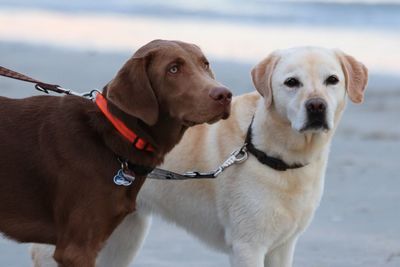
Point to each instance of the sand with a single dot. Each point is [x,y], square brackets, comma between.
[357,224]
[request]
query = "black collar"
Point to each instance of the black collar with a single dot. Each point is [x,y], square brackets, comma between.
[274,163]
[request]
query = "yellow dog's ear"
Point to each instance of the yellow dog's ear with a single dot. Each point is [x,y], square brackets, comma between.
[356,75]
[131,90]
[262,74]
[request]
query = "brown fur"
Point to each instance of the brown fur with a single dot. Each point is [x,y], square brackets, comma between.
[58,154]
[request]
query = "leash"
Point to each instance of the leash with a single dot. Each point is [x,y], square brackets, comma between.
[123,176]
[41,86]
[238,156]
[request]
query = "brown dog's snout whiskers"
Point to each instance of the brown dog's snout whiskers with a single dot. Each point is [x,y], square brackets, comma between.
[221,94]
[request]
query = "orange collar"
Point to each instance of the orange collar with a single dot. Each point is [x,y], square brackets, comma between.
[132,137]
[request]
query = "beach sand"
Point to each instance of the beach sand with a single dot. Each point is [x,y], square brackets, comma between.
[357,224]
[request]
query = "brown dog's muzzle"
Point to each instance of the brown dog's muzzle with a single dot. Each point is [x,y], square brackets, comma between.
[222,95]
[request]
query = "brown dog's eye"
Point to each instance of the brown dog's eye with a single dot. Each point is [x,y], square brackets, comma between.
[292,82]
[332,80]
[173,69]
[206,65]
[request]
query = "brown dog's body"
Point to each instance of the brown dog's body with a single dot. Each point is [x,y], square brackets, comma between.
[58,154]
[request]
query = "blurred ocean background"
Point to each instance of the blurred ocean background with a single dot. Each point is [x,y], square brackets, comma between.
[81,44]
[363,14]
[368,29]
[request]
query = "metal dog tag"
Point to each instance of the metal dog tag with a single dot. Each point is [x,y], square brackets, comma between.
[121,178]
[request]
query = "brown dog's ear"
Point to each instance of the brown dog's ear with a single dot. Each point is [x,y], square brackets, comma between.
[356,75]
[131,91]
[262,74]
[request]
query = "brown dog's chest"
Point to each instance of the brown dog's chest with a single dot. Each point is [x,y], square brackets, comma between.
[56,168]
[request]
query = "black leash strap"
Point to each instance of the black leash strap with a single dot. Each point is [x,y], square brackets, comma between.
[160,174]
[236,157]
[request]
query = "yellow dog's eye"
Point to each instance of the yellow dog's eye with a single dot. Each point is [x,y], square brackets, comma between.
[332,80]
[174,69]
[292,82]
[206,65]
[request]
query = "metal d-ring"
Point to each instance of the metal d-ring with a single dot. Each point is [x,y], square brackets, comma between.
[244,153]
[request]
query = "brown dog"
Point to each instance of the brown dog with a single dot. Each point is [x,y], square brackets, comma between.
[58,155]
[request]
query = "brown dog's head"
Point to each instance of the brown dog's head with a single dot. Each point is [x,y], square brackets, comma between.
[170,77]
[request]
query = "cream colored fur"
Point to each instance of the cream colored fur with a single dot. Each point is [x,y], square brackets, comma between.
[251,212]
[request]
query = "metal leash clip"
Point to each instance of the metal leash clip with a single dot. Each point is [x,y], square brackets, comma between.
[45,88]
[238,156]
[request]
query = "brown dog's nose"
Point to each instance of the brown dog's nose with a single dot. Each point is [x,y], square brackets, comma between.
[316,105]
[221,94]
